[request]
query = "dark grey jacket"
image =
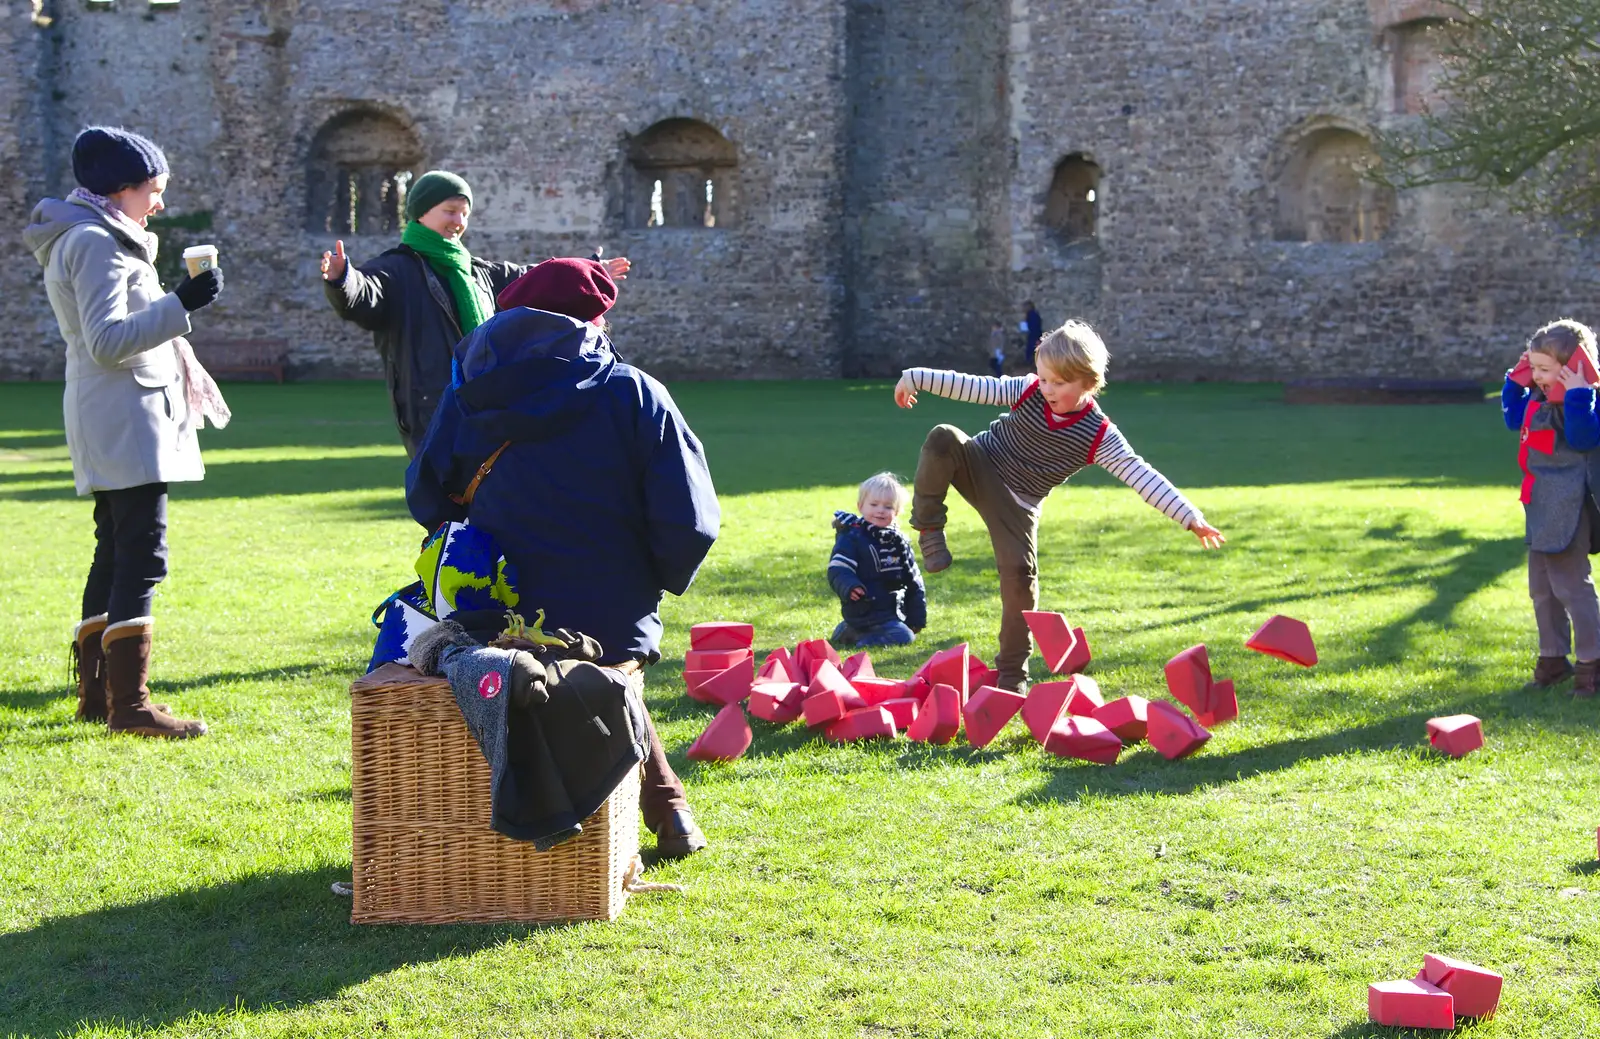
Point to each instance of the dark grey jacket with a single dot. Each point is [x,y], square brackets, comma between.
[1561,487]
[412,317]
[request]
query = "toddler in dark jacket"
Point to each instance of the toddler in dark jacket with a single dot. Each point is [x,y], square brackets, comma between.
[873,572]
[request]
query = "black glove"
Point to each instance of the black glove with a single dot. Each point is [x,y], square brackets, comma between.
[579,646]
[199,290]
[528,680]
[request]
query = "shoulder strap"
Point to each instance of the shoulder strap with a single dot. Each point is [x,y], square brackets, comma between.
[465,497]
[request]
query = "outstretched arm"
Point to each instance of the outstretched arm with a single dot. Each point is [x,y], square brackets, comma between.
[972,389]
[356,295]
[1116,457]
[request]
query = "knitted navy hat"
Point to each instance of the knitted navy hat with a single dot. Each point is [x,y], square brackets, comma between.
[106,159]
[577,288]
[432,188]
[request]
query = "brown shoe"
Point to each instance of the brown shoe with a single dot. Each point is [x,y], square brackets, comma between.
[89,668]
[935,554]
[1583,679]
[127,653]
[1550,671]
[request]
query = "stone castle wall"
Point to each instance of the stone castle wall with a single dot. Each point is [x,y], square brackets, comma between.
[895,184]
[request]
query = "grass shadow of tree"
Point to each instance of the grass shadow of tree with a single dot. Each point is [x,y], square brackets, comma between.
[268,940]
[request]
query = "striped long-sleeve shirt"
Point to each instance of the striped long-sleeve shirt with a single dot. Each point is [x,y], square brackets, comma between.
[1036,450]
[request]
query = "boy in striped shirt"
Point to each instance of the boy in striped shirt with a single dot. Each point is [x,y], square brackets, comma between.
[1054,429]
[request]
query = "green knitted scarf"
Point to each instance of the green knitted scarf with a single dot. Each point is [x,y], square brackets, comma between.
[451,261]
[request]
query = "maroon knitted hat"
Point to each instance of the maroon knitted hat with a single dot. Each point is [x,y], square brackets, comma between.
[577,288]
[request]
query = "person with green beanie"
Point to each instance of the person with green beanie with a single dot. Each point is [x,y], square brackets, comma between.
[422,297]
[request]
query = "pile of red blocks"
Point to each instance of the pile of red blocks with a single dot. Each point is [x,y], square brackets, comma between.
[846,700]
[1443,990]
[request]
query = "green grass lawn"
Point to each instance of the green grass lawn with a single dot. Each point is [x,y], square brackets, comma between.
[866,890]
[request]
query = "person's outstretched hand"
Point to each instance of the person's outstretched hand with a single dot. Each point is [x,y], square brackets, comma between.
[905,393]
[618,267]
[199,290]
[1210,537]
[333,264]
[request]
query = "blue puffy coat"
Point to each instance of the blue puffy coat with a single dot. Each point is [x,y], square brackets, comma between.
[602,501]
[878,559]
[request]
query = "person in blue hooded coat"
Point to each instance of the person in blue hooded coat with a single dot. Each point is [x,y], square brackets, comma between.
[596,490]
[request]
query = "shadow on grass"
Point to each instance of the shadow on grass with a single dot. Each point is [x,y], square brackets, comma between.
[1368,1030]
[1587,868]
[377,471]
[39,699]
[272,940]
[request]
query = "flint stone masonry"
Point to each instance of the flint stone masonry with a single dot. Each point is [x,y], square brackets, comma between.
[883,174]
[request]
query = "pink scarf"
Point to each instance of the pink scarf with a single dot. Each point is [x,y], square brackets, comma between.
[200,391]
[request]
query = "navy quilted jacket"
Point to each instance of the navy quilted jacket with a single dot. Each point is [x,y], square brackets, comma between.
[878,559]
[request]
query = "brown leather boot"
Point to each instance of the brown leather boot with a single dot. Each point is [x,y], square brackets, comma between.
[1551,670]
[1583,679]
[89,666]
[127,651]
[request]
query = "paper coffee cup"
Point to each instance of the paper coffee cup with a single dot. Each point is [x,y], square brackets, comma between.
[199,258]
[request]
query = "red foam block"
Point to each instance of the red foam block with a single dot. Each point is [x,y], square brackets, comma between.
[859,665]
[1224,705]
[1085,738]
[1521,373]
[779,666]
[1410,1004]
[940,717]
[727,737]
[715,659]
[1127,717]
[917,688]
[722,635]
[1044,705]
[694,682]
[865,724]
[1475,989]
[1054,636]
[1085,698]
[731,684]
[1284,638]
[810,653]
[827,678]
[948,666]
[1578,362]
[1189,678]
[877,690]
[986,712]
[1172,733]
[777,702]
[979,674]
[903,710]
[823,708]
[1457,735]
[1080,656]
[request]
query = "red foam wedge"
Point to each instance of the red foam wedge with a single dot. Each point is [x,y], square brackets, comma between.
[1475,989]
[1054,636]
[694,682]
[1080,656]
[1127,717]
[1189,678]
[727,737]
[715,659]
[1085,697]
[1457,735]
[948,666]
[779,666]
[731,684]
[865,724]
[986,712]
[1285,638]
[1224,705]
[1172,733]
[979,674]
[859,665]
[810,653]
[777,702]
[722,635]
[1085,738]
[877,690]
[940,717]
[917,688]
[1522,373]
[1410,1004]
[828,679]
[823,708]
[903,710]
[1044,705]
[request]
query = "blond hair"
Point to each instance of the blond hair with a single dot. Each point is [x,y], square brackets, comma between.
[887,484]
[1075,352]
[1561,339]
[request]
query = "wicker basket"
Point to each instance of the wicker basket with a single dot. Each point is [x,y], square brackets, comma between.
[422,850]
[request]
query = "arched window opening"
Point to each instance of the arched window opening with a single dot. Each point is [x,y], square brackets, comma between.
[1072,207]
[682,175]
[360,165]
[1417,69]
[1325,195]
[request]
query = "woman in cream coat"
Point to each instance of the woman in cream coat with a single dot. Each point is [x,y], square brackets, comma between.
[134,399]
